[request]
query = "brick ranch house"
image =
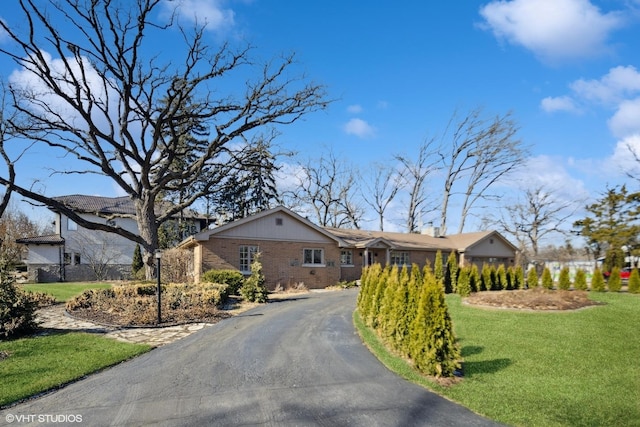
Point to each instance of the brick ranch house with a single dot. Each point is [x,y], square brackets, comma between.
[75,253]
[294,250]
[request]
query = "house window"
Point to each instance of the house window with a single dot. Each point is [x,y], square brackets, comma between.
[71,225]
[67,258]
[247,254]
[76,258]
[399,258]
[313,257]
[278,221]
[346,257]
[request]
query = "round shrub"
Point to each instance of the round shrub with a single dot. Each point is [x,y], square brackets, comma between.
[232,278]
[17,308]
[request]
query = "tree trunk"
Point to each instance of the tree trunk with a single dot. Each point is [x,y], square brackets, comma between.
[148,230]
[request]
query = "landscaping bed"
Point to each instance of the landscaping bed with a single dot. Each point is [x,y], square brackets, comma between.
[534,299]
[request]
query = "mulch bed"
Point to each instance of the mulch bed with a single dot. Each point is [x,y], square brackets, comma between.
[536,299]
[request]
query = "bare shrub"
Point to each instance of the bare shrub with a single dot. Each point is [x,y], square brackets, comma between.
[177,266]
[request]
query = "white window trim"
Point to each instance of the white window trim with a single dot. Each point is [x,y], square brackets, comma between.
[351,264]
[322,260]
[252,254]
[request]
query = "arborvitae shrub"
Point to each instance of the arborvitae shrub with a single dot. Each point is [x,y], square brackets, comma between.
[485,278]
[433,349]
[580,281]
[464,285]
[378,295]
[519,278]
[398,327]
[501,276]
[564,280]
[385,313]
[511,278]
[494,279]
[532,278]
[597,281]
[547,279]
[253,288]
[414,288]
[451,274]
[232,278]
[438,268]
[614,283]
[634,282]
[474,279]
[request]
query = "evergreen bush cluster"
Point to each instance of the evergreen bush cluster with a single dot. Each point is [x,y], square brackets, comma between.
[491,278]
[408,311]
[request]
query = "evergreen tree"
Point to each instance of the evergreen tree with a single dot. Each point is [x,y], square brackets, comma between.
[614,283]
[137,263]
[399,329]
[634,282]
[434,350]
[519,278]
[474,279]
[451,275]
[547,279]
[374,277]
[486,282]
[385,313]
[532,278]
[597,281]
[501,275]
[253,289]
[438,268]
[414,289]
[464,286]
[564,281]
[378,295]
[580,281]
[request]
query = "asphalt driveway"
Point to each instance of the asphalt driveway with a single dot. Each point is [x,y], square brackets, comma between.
[295,362]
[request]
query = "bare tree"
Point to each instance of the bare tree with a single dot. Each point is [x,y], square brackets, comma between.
[110,102]
[537,214]
[415,173]
[328,187]
[479,153]
[387,181]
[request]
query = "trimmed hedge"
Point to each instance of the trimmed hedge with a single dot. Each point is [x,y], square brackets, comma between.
[232,278]
[408,311]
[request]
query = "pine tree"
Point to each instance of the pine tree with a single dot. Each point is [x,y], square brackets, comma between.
[474,278]
[378,295]
[486,283]
[385,313]
[414,289]
[614,283]
[547,279]
[564,281]
[634,282]
[398,325]
[374,276]
[532,278]
[580,281]
[597,281]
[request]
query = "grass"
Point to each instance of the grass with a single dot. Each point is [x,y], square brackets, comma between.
[63,291]
[579,368]
[40,363]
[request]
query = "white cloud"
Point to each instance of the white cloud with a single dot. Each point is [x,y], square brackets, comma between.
[354,109]
[359,128]
[554,30]
[202,12]
[551,173]
[626,154]
[626,120]
[560,103]
[618,83]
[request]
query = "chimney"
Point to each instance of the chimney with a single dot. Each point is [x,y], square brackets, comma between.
[431,230]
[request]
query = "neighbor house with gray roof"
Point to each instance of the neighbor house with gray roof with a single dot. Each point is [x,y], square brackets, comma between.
[75,253]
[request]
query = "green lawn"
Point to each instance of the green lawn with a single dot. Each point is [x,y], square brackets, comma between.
[63,291]
[578,368]
[36,364]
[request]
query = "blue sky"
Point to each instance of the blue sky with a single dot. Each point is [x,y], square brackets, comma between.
[569,70]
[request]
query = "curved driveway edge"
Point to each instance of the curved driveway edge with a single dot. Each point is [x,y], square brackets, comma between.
[296,362]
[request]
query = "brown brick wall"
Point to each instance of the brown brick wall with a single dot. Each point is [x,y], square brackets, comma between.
[281,261]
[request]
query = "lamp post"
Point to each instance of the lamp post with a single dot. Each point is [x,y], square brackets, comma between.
[158,255]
